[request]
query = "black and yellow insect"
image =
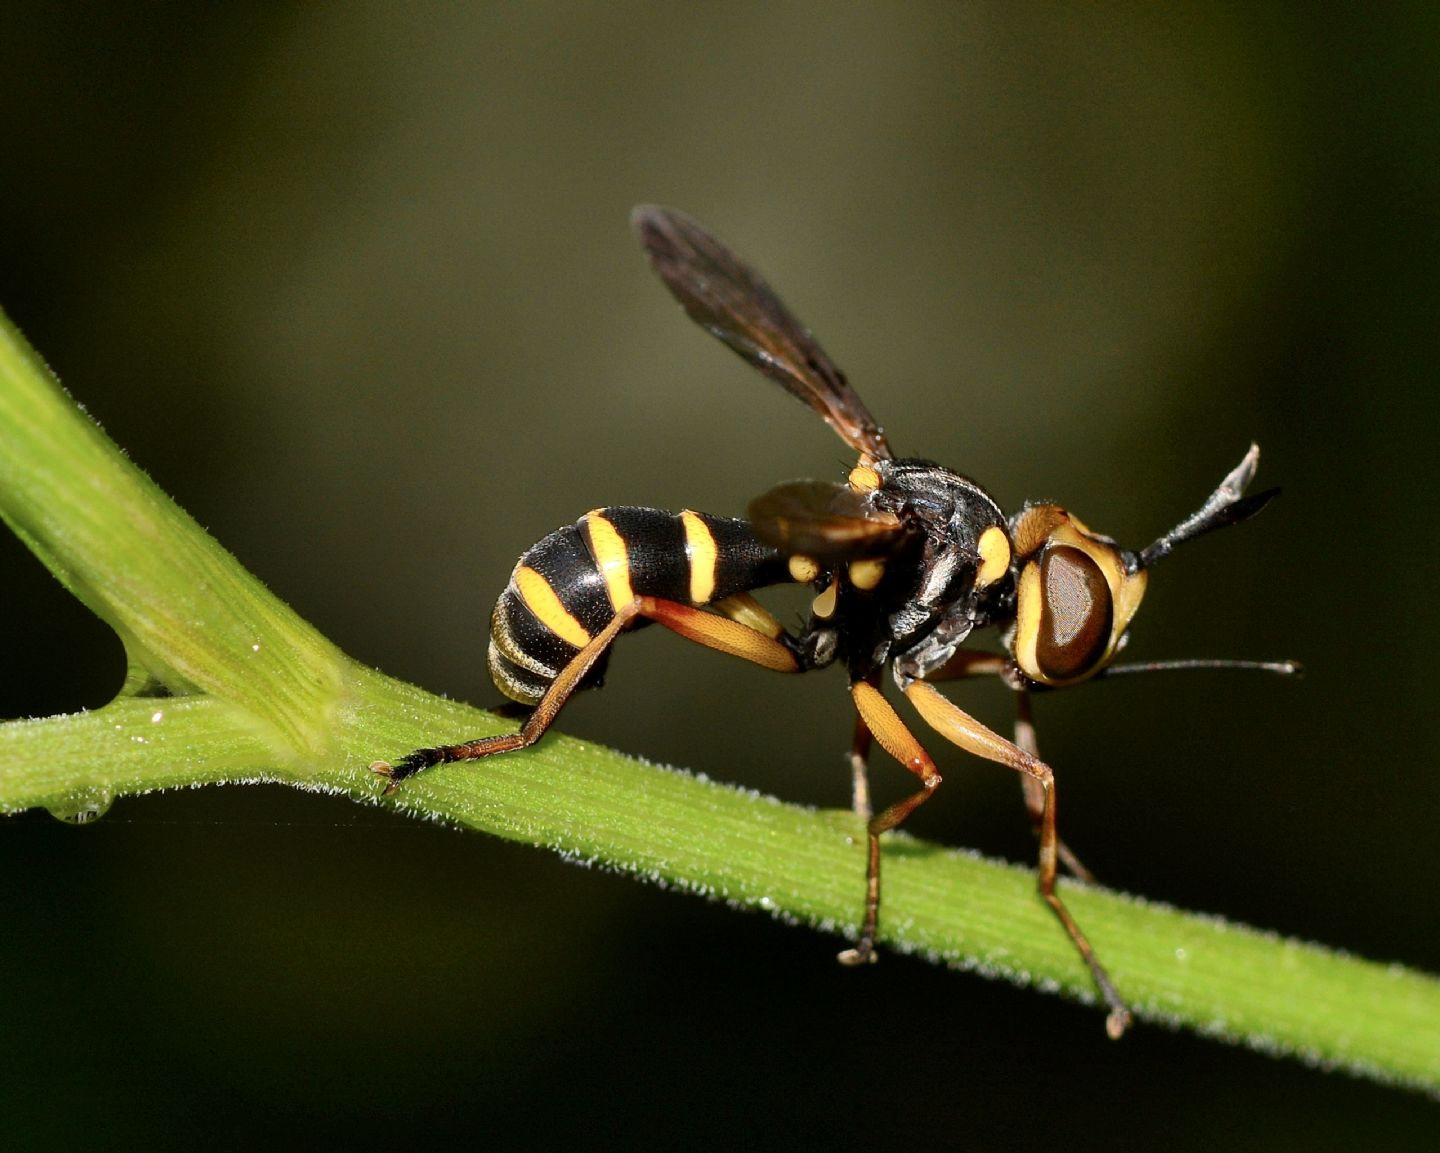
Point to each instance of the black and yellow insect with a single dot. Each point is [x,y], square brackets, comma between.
[906,559]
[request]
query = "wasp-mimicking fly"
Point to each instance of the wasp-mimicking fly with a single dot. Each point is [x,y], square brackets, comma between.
[906,559]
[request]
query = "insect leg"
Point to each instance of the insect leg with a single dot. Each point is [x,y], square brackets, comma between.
[859,763]
[535,725]
[1035,792]
[961,729]
[719,633]
[967,663]
[975,664]
[745,609]
[881,719]
[694,624]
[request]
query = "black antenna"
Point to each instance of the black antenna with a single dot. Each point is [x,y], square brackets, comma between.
[1224,506]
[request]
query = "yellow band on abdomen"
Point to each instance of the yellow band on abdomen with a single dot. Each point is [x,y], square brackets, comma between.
[541,600]
[611,557]
[701,550]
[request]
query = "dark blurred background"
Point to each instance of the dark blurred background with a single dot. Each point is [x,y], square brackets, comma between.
[355,285]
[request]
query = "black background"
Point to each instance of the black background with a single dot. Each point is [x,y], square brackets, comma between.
[355,285]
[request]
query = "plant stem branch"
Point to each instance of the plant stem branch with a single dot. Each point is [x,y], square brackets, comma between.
[228,685]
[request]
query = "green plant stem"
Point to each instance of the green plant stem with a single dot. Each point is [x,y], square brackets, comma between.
[230,686]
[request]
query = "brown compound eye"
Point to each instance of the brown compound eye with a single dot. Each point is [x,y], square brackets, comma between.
[1076,614]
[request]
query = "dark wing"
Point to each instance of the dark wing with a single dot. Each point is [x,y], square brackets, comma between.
[726,296]
[830,522]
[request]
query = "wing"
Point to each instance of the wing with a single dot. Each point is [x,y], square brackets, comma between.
[830,522]
[726,296]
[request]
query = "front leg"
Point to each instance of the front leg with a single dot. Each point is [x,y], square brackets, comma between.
[958,727]
[1035,792]
[977,664]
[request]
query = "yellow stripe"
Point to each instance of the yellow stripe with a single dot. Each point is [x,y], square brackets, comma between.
[994,556]
[1028,595]
[503,641]
[505,681]
[541,600]
[608,548]
[700,548]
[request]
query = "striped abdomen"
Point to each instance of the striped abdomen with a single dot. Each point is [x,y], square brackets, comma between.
[566,588]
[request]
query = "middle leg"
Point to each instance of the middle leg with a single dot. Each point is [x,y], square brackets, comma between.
[879,718]
[859,759]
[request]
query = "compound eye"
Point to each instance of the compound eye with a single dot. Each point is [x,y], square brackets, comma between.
[1076,614]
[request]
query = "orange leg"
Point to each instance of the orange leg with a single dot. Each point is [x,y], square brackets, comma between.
[964,730]
[719,633]
[859,763]
[973,664]
[716,632]
[1035,792]
[881,719]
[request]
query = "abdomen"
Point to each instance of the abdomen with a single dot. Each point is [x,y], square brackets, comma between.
[566,588]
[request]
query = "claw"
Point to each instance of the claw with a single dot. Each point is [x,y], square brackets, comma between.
[386,772]
[406,766]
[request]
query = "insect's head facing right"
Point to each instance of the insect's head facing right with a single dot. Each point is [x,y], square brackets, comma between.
[1076,590]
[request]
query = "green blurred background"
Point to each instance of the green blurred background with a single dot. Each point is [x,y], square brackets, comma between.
[354,283]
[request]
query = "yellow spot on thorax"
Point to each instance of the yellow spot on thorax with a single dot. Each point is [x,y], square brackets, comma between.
[863,478]
[803,569]
[994,555]
[866,574]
